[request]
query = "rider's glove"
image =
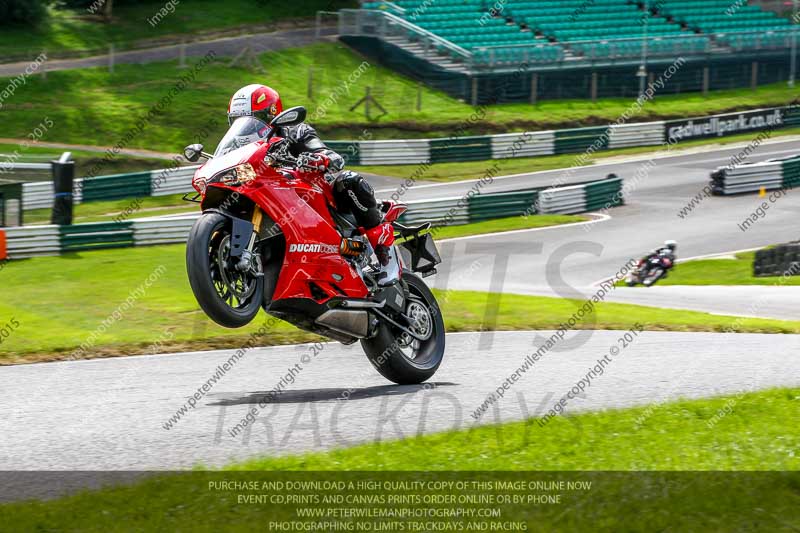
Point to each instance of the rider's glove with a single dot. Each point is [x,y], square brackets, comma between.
[336,161]
[316,161]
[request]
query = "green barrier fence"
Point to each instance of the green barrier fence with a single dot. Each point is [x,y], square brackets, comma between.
[116,187]
[791,116]
[501,205]
[791,173]
[579,140]
[461,149]
[604,194]
[96,236]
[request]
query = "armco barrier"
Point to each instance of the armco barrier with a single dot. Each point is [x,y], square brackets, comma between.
[530,144]
[604,194]
[579,140]
[116,187]
[631,135]
[445,211]
[162,231]
[172,180]
[753,177]
[582,198]
[502,205]
[31,241]
[457,149]
[96,235]
[563,200]
[791,172]
[39,195]
[783,260]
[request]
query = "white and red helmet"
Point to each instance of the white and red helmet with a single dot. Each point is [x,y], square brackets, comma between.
[255,100]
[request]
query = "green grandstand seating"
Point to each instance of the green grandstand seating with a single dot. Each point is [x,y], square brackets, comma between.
[719,16]
[595,29]
[468,24]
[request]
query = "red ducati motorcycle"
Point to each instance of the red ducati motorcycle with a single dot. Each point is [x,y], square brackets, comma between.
[270,237]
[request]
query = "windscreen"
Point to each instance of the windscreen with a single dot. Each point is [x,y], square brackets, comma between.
[243,131]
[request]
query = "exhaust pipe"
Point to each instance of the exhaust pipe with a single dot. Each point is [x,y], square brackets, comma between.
[350,322]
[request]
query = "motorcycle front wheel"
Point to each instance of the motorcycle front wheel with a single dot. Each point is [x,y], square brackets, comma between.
[398,356]
[230,297]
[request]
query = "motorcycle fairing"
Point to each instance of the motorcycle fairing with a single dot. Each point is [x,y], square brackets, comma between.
[312,267]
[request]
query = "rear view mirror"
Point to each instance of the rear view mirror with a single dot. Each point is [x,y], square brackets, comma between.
[193,152]
[290,117]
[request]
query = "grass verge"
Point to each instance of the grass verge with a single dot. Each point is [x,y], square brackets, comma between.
[505,224]
[751,435]
[98,299]
[74,31]
[738,271]
[106,211]
[93,106]
[84,161]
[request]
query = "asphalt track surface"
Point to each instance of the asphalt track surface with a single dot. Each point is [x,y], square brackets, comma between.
[109,414]
[570,261]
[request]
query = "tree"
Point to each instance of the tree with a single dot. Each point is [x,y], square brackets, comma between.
[108,9]
[22,12]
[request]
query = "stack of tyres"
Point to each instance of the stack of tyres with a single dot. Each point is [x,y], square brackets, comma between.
[783,260]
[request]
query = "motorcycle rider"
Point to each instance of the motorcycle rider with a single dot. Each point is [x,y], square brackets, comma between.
[350,190]
[665,252]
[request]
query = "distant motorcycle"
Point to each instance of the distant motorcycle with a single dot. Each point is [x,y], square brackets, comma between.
[653,267]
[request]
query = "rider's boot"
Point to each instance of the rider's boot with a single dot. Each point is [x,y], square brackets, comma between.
[381,237]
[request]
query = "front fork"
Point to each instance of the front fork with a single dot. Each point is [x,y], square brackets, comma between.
[250,260]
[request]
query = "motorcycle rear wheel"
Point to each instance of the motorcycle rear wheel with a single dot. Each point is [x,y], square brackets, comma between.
[397,356]
[652,277]
[229,297]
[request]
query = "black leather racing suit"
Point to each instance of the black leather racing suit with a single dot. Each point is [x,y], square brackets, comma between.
[351,191]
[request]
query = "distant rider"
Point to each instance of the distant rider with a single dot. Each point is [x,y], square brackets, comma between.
[351,191]
[666,253]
